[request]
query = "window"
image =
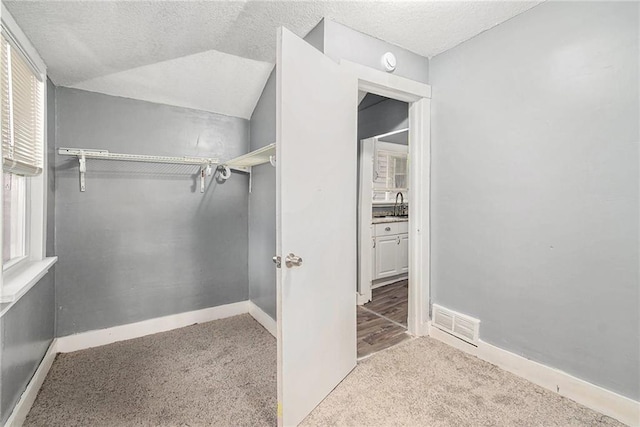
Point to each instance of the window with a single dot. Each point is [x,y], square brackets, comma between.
[14,211]
[390,172]
[22,113]
[22,125]
[22,95]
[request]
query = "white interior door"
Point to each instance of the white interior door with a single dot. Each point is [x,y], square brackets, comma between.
[316,146]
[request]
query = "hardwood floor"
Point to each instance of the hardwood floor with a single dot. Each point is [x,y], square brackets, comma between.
[379,321]
[391,301]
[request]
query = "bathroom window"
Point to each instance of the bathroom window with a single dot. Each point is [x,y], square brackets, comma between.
[391,172]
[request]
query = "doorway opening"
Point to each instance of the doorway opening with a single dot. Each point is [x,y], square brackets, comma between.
[383,219]
[413,100]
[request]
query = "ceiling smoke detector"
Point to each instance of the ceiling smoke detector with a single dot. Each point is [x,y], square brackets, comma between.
[389,62]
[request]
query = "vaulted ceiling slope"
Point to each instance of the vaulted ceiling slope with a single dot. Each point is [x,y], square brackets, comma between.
[136,48]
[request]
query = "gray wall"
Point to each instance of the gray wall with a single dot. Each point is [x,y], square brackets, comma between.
[28,327]
[262,205]
[315,37]
[142,241]
[341,42]
[27,330]
[535,187]
[383,117]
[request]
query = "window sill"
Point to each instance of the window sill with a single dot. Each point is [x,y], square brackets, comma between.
[16,284]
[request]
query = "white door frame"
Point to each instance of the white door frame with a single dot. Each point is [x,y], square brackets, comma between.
[418,95]
[366,238]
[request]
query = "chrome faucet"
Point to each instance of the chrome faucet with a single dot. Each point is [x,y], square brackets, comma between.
[400,212]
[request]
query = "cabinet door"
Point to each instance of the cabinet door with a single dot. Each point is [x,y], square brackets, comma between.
[403,253]
[386,256]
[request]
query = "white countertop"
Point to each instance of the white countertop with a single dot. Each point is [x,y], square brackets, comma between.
[389,219]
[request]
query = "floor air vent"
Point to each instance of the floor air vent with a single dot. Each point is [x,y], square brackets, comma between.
[464,327]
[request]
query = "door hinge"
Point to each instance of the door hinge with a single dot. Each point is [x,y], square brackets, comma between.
[277,261]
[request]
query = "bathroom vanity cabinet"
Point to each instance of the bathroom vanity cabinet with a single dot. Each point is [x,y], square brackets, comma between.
[390,249]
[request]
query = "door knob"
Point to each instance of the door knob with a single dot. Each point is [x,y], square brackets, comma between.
[293,261]
[277,261]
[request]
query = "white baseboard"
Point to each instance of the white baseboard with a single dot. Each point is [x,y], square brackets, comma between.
[263,318]
[390,280]
[22,408]
[100,337]
[361,299]
[424,328]
[590,395]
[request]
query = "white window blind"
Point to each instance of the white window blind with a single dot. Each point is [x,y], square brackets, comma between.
[22,114]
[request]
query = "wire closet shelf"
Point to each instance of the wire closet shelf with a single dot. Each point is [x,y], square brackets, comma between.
[241,164]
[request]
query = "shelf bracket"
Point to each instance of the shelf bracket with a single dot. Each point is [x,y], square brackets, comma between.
[205,170]
[83,169]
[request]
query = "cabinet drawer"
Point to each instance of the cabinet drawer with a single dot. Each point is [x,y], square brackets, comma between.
[389,228]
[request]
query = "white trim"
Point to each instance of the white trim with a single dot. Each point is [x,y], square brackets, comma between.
[418,95]
[389,281]
[361,299]
[14,284]
[22,408]
[590,395]
[18,281]
[385,84]
[263,318]
[101,337]
[365,228]
[419,215]
[38,193]
[16,36]
[7,266]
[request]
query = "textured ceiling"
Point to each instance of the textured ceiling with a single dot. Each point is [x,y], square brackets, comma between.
[82,41]
[208,81]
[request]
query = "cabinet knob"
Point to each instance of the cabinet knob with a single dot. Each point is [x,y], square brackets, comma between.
[387,229]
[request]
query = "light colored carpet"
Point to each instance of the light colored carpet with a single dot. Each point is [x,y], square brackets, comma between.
[220,373]
[223,373]
[424,382]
